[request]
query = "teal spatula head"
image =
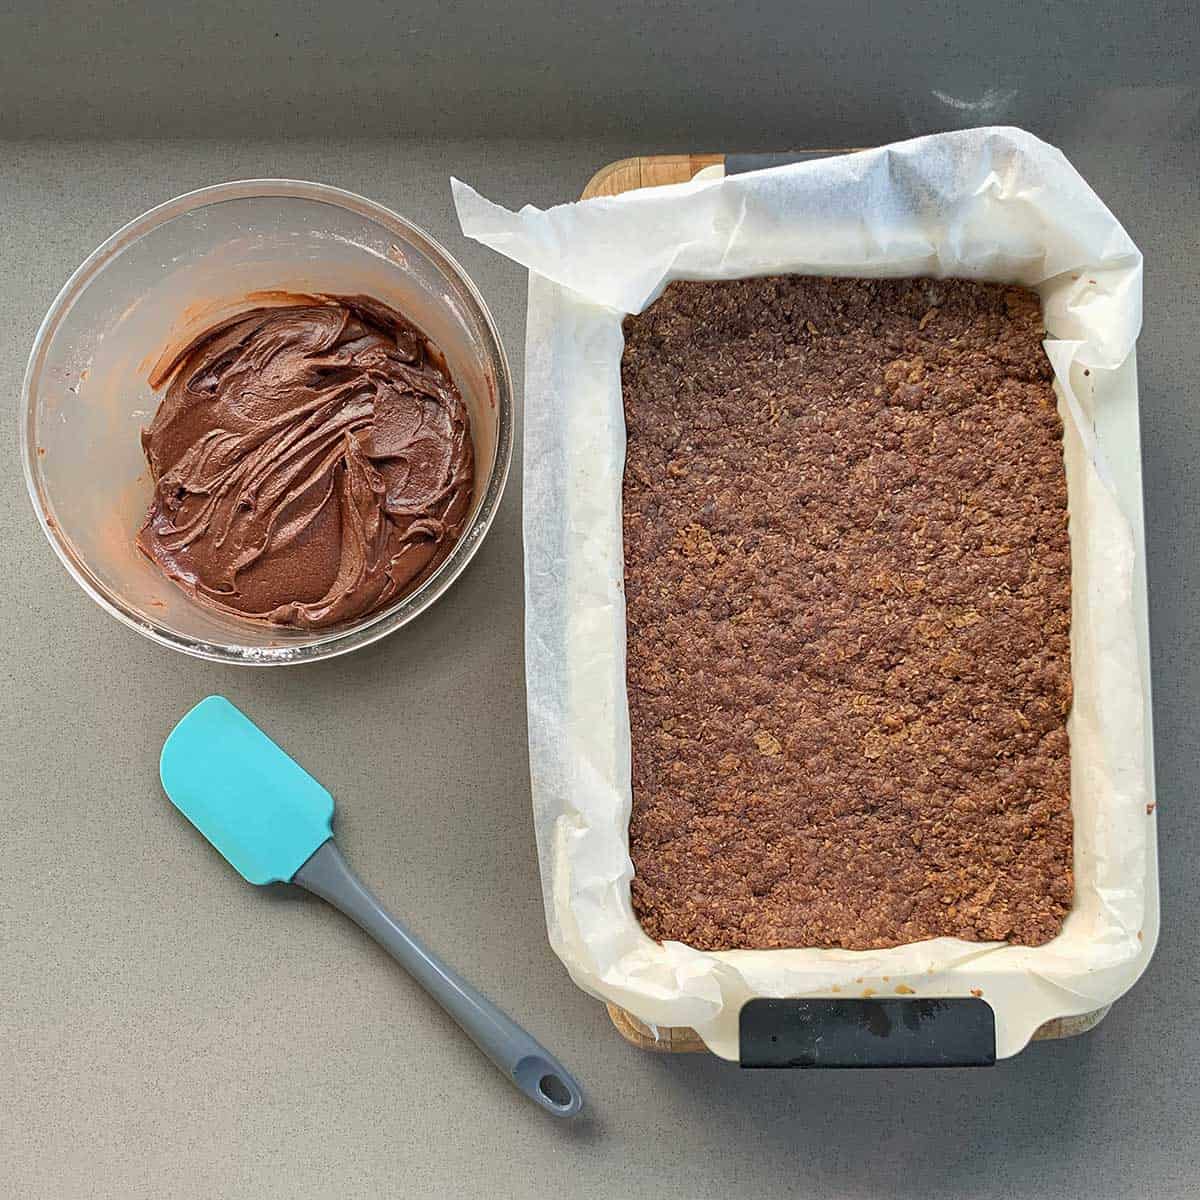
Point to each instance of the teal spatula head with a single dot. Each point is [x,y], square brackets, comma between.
[262,810]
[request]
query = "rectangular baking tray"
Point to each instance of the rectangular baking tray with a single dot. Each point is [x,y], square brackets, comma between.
[1117,429]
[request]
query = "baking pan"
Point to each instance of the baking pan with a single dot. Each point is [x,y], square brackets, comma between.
[892,1031]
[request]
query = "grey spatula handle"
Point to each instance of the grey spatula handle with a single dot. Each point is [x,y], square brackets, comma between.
[531,1068]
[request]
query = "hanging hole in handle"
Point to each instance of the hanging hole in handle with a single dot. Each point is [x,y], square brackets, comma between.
[555,1090]
[548,1084]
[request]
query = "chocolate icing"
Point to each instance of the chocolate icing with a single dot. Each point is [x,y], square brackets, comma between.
[312,463]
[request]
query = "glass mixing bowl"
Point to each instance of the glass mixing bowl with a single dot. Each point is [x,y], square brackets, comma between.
[171,274]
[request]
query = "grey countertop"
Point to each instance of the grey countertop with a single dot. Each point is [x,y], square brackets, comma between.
[168,1031]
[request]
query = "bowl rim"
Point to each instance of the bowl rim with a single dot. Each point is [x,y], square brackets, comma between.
[324,644]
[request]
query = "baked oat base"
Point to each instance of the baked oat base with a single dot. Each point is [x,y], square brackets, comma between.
[848,603]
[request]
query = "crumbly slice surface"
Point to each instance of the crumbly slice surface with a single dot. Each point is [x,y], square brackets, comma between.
[847,578]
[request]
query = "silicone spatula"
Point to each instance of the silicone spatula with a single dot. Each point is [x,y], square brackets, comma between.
[273,823]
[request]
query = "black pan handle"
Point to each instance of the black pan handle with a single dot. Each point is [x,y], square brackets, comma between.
[739,164]
[957,1032]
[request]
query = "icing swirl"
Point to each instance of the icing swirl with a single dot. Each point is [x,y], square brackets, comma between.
[312,463]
